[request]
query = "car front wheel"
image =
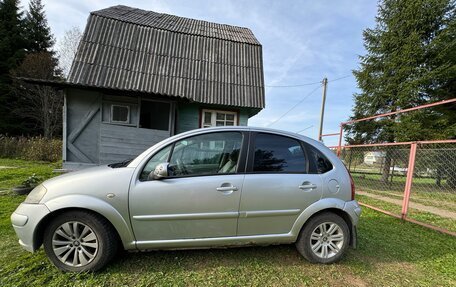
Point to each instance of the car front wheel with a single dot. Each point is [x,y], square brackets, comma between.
[324,238]
[79,241]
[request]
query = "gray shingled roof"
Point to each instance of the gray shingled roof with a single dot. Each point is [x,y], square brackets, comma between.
[131,49]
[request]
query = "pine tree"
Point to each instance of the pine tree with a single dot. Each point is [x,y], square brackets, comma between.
[410,61]
[38,33]
[12,51]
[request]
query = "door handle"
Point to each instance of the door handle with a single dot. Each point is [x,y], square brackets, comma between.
[308,186]
[227,188]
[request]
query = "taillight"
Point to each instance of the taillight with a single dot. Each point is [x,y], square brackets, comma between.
[352,184]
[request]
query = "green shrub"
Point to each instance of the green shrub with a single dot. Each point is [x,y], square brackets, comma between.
[33,148]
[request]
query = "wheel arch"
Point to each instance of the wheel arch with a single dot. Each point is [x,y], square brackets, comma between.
[92,205]
[332,205]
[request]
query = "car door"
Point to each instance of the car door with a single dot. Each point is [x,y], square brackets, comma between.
[277,185]
[200,197]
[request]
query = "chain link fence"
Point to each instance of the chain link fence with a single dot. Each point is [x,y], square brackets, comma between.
[418,185]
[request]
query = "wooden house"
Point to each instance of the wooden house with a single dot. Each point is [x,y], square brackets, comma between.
[139,77]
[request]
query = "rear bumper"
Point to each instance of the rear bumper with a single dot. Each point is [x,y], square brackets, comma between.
[353,209]
[25,220]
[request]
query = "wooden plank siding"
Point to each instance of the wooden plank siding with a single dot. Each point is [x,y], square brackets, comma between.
[83,119]
[118,143]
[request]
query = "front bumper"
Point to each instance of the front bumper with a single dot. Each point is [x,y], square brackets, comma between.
[25,220]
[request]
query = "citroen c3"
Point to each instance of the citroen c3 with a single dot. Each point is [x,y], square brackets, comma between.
[213,187]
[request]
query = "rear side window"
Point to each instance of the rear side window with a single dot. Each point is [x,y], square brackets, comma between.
[274,153]
[318,163]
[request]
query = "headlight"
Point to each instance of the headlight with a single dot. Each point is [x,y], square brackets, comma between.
[36,194]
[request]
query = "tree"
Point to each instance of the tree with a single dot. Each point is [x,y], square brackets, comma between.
[68,47]
[39,103]
[12,51]
[408,62]
[38,33]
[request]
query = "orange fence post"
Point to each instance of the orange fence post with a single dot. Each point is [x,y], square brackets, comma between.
[341,134]
[408,182]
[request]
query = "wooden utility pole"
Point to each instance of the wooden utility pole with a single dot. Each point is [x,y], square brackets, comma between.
[322,113]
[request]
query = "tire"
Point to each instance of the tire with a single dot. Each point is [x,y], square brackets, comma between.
[326,231]
[78,241]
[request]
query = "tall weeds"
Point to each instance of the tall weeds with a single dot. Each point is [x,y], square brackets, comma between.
[31,148]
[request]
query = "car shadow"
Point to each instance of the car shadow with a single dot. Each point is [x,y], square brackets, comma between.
[381,239]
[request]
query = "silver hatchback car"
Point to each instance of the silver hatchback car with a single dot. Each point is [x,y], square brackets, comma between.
[210,187]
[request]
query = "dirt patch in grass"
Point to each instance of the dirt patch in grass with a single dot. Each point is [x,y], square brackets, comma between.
[418,206]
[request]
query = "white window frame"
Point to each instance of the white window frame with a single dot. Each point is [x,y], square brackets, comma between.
[214,117]
[112,114]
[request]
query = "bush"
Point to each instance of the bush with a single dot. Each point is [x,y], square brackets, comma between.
[34,148]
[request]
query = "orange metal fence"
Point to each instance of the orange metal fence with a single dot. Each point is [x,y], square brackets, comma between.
[414,181]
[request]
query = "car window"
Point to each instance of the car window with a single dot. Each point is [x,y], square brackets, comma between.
[318,163]
[274,153]
[159,157]
[213,153]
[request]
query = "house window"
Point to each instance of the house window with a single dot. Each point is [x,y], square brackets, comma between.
[120,114]
[155,115]
[214,118]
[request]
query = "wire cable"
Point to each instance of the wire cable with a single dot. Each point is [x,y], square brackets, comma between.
[311,126]
[293,86]
[306,84]
[344,77]
[297,104]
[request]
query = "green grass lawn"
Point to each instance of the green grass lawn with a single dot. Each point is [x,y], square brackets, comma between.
[390,253]
[14,171]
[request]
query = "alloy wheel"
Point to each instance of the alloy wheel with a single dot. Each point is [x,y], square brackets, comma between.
[75,244]
[327,240]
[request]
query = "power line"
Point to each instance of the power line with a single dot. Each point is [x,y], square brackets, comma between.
[344,77]
[311,126]
[297,104]
[305,84]
[293,86]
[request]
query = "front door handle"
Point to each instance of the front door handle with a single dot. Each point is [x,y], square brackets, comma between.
[307,186]
[227,188]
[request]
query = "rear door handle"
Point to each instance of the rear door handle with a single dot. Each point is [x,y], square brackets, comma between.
[308,186]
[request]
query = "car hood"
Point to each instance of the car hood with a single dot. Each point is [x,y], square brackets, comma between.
[95,181]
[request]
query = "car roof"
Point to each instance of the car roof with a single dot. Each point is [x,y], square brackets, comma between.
[245,128]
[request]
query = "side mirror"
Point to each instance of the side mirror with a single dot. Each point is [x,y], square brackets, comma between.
[160,172]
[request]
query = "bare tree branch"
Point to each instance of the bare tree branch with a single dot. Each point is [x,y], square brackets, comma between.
[67,48]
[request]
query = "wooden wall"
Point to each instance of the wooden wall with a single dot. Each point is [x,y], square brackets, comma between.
[90,139]
[118,143]
[83,116]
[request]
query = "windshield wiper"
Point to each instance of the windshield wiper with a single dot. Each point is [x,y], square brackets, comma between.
[120,164]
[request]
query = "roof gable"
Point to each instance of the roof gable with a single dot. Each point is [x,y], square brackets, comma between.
[178,24]
[131,49]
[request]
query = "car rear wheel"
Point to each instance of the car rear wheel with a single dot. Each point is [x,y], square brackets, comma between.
[324,238]
[79,241]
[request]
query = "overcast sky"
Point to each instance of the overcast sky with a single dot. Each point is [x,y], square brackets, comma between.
[303,41]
